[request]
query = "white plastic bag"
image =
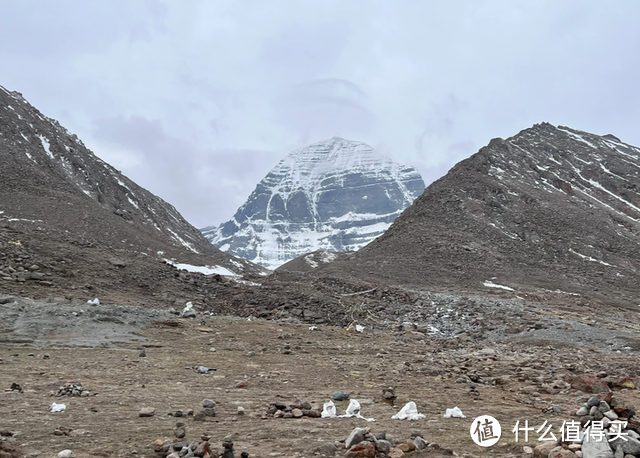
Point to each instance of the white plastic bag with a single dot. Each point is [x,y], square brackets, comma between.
[409,412]
[57,407]
[94,302]
[353,410]
[328,410]
[454,413]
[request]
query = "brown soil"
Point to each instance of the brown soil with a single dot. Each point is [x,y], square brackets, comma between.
[422,369]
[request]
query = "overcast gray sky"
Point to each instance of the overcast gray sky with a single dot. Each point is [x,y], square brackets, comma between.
[198,100]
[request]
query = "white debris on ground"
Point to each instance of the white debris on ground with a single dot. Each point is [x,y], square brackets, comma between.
[490,284]
[57,407]
[328,410]
[353,410]
[408,412]
[454,413]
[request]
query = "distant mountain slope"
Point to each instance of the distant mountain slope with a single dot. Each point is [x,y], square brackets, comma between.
[551,208]
[333,195]
[55,193]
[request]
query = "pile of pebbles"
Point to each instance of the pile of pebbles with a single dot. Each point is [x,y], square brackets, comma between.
[295,409]
[208,410]
[607,408]
[72,389]
[180,447]
[363,443]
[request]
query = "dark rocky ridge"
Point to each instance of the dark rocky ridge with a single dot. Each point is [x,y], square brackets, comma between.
[64,209]
[551,208]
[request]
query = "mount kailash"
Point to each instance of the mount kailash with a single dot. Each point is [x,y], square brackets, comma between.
[335,195]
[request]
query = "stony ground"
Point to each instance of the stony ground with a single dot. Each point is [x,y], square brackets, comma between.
[485,370]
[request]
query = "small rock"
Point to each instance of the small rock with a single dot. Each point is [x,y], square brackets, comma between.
[356,436]
[147,412]
[542,450]
[362,450]
[240,410]
[180,431]
[560,452]
[327,449]
[117,262]
[208,403]
[603,407]
[142,354]
[208,412]
[340,396]
[611,415]
[420,443]
[582,411]
[593,401]
[383,446]
[296,413]
[629,446]
[406,448]
[65,454]
[589,384]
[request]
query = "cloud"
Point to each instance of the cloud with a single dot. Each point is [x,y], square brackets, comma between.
[324,108]
[198,100]
[205,184]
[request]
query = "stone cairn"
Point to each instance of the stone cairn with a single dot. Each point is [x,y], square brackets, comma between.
[295,409]
[72,389]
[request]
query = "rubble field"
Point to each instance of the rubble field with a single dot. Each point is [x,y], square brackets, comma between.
[125,394]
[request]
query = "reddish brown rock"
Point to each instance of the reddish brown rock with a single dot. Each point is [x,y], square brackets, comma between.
[562,453]
[362,450]
[202,449]
[606,397]
[590,384]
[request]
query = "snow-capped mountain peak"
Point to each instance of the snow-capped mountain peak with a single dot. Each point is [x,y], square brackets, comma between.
[332,195]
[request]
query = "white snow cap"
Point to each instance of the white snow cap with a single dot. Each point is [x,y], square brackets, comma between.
[409,412]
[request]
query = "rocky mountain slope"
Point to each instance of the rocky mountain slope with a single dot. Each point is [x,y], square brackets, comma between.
[333,195]
[552,209]
[64,213]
